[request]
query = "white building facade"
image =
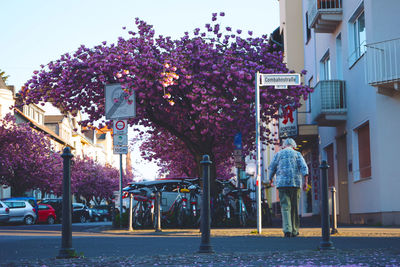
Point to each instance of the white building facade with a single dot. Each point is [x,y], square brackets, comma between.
[352,55]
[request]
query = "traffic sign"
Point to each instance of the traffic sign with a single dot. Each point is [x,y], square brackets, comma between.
[119,104]
[238,158]
[280,81]
[237,141]
[120,127]
[120,150]
[120,139]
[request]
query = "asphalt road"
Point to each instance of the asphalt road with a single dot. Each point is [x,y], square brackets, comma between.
[44,241]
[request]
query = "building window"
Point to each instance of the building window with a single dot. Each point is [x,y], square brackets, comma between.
[308,30]
[362,159]
[357,38]
[326,67]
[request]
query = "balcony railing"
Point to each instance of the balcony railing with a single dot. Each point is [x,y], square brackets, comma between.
[324,15]
[383,64]
[328,103]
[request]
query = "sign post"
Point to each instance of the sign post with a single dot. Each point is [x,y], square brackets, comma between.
[279,81]
[119,104]
[258,155]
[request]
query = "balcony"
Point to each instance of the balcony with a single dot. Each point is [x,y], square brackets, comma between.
[324,15]
[383,66]
[328,103]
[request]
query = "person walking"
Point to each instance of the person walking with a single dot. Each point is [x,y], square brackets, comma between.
[289,167]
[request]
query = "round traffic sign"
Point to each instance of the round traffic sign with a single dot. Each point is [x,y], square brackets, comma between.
[120,125]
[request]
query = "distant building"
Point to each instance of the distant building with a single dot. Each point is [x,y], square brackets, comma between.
[62,130]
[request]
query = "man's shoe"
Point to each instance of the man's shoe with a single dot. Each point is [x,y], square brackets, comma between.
[288,234]
[295,235]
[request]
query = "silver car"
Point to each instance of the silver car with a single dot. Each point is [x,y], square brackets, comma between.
[21,211]
[4,212]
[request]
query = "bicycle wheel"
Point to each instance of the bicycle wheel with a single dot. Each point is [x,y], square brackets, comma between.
[243,216]
[180,218]
[136,217]
[155,220]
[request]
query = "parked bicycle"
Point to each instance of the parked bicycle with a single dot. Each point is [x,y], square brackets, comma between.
[223,208]
[143,211]
[240,207]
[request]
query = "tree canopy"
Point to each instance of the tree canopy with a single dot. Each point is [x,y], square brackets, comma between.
[199,88]
[26,159]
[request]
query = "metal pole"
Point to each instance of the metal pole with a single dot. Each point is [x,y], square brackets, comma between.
[120,190]
[205,246]
[130,211]
[334,216]
[66,250]
[325,243]
[158,210]
[258,167]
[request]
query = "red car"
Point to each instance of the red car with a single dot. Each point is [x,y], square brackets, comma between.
[46,214]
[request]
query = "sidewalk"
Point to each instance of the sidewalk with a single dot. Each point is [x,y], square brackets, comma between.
[266,232]
[354,246]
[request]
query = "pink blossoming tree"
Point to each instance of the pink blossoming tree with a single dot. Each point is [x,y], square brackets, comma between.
[27,160]
[199,88]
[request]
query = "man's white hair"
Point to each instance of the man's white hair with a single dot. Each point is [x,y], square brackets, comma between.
[289,142]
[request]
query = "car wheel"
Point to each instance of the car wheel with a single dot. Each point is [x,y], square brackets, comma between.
[105,219]
[96,219]
[29,220]
[82,219]
[50,220]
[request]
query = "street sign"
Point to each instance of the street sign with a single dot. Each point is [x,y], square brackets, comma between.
[120,150]
[280,81]
[237,141]
[120,127]
[120,140]
[118,103]
[238,158]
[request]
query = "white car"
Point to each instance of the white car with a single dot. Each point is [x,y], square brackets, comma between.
[21,211]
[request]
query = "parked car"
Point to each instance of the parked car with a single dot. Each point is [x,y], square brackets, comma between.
[56,203]
[94,215]
[47,214]
[33,201]
[104,211]
[105,215]
[4,212]
[21,211]
[80,213]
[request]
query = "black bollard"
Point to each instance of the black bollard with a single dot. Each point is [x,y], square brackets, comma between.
[66,250]
[325,243]
[205,246]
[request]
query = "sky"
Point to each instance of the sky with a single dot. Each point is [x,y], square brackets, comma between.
[37,32]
